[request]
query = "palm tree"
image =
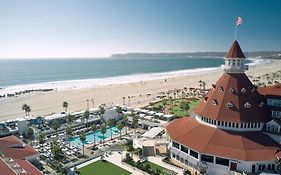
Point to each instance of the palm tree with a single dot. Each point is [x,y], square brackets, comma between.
[68,132]
[86,116]
[41,138]
[129,100]
[56,150]
[82,137]
[28,110]
[56,125]
[93,102]
[65,105]
[123,99]
[102,110]
[120,126]
[94,129]
[135,123]
[125,119]
[103,130]
[118,110]
[24,107]
[70,119]
[87,104]
[110,124]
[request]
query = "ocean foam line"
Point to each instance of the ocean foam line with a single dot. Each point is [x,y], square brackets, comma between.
[90,83]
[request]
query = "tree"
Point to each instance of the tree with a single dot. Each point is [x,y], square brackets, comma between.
[28,110]
[87,104]
[123,100]
[30,133]
[24,107]
[65,105]
[86,115]
[103,130]
[56,150]
[83,139]
[125,119]
[110,124]
[70,119]
[120,126]
[118,110]
[68,132]
[102,110]
[94,129]
[56,125]
[135,123]
[184,105]
[42,138]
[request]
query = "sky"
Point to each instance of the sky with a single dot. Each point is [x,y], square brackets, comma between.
[99,28]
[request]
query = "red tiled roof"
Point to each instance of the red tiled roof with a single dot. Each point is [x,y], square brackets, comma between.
[5,169]
[222,95]
[12,147]
[274,90]
[235,51]
[247,146]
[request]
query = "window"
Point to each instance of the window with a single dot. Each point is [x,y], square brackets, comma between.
[207,158]
[229,104]
[258,125]
[219,123]
[222,161]
[231,90]
[214,102]
[193,154]
[184,149]
[221,89]
[176,145]
[237,125]
[247,105]
[229,124]
[233,125]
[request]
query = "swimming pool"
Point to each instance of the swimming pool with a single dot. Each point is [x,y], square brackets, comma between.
[75,141]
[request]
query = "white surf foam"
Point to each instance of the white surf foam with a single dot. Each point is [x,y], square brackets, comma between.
[90,83]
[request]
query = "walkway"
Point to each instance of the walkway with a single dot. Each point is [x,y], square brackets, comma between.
[158,161]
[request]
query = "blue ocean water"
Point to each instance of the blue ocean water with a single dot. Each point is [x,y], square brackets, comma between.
[30,71]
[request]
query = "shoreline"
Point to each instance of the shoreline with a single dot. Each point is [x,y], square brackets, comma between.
[63,85]
[140,92]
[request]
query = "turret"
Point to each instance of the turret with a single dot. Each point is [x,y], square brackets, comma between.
[235,60]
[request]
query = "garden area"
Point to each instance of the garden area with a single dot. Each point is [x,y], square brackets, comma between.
[102,167]
[147,166]
[178,107]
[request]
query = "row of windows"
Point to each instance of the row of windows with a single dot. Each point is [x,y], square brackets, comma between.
[231,124]
[274,102]
[276,114]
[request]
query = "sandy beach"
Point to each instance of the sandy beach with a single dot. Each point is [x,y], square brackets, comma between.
[51,102]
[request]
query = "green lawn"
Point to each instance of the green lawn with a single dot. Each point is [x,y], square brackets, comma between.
[102,168]
[163,170]
[175,106]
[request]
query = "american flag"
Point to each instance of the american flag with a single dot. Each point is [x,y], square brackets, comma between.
[239,21]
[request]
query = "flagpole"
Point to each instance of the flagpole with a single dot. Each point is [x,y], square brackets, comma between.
[235,35]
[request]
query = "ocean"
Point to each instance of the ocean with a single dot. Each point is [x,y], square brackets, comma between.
[59,74]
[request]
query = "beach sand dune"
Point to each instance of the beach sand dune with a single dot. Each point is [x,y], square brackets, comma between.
[51,102]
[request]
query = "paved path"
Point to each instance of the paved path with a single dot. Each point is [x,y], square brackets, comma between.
[158,161]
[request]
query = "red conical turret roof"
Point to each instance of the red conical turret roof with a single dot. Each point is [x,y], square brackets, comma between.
[234,99]
[235,51]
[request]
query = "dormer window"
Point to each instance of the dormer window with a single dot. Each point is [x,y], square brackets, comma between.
[231,90]
[214,102]
[243,90]
[229,104]
[205,99]
[221,89]
[247,105]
